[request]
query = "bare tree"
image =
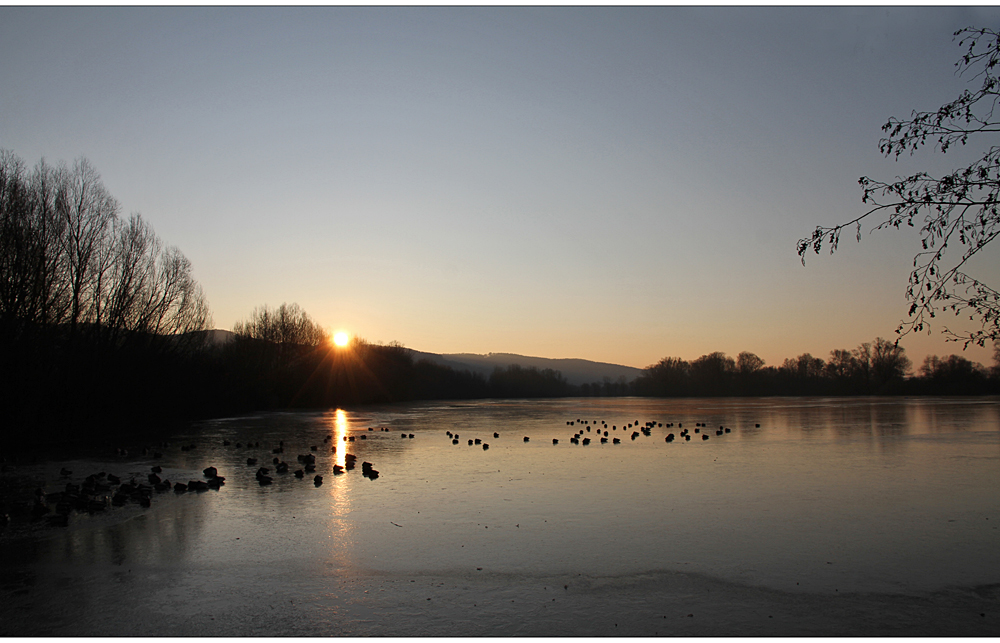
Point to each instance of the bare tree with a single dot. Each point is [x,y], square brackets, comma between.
[805,366]
[841,365]
[66,256]
[888,361]
[88,211]
[748,363]
[286,324]
[958,209]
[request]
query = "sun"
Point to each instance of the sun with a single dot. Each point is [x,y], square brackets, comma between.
[341,339]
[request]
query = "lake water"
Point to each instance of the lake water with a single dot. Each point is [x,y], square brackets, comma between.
[833,516]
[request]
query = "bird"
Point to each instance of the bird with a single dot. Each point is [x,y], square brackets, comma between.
[318,480]
[555,440]
[496,435]
[526,438]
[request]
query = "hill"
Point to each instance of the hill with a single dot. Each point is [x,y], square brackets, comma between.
[576,371]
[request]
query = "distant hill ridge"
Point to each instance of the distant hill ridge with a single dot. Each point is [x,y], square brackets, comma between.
[576,371]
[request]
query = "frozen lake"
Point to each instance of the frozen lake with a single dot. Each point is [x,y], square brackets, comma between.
[833,516]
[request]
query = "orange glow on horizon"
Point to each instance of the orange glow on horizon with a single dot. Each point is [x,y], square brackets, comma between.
[341,339]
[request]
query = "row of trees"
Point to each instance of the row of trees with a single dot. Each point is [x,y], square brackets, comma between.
[67,258]
[98,317]
[873,368]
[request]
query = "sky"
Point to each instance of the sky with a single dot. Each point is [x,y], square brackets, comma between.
[613,184]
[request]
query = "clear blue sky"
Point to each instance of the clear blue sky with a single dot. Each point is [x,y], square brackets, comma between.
[616,184]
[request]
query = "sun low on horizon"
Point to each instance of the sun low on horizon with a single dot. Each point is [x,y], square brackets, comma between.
[341,339]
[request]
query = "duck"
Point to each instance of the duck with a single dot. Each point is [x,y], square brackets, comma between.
[496,435]
[485,446]
[64,472]
[526,438]
[210,472]
[555,440]
[251,461]
[299,473]
[317,480]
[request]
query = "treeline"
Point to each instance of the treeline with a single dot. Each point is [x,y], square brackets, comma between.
[97,316]
[873,368]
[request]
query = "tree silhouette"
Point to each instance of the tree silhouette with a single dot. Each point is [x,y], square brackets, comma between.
[959,208]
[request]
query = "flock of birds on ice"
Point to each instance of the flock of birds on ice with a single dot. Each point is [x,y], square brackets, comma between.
[101,491]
